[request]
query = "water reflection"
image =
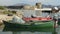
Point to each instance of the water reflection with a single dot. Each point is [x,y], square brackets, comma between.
[32,32]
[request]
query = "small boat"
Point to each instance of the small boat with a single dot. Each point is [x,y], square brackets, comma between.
[37,19]
[40,26]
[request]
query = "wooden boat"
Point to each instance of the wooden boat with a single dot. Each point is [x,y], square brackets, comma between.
[40,26]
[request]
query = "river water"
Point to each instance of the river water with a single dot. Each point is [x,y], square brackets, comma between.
[57,30]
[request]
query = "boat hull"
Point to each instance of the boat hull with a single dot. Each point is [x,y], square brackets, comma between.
[45,27]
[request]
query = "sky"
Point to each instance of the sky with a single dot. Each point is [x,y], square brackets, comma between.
[32,2]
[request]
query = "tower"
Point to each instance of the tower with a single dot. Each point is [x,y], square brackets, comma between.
[38,5]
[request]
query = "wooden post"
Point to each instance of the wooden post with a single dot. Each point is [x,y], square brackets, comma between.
[54,32]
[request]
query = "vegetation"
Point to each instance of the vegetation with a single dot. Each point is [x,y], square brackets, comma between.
[14,12]
[5,11]
[2,7]
[9,12]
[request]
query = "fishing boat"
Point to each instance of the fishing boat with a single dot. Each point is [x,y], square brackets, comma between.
[45,25]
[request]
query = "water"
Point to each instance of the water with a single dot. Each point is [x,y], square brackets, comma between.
[5,32]
[25,33]
[32,33]
[57,30]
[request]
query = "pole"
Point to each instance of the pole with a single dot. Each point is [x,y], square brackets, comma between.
[54,32]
